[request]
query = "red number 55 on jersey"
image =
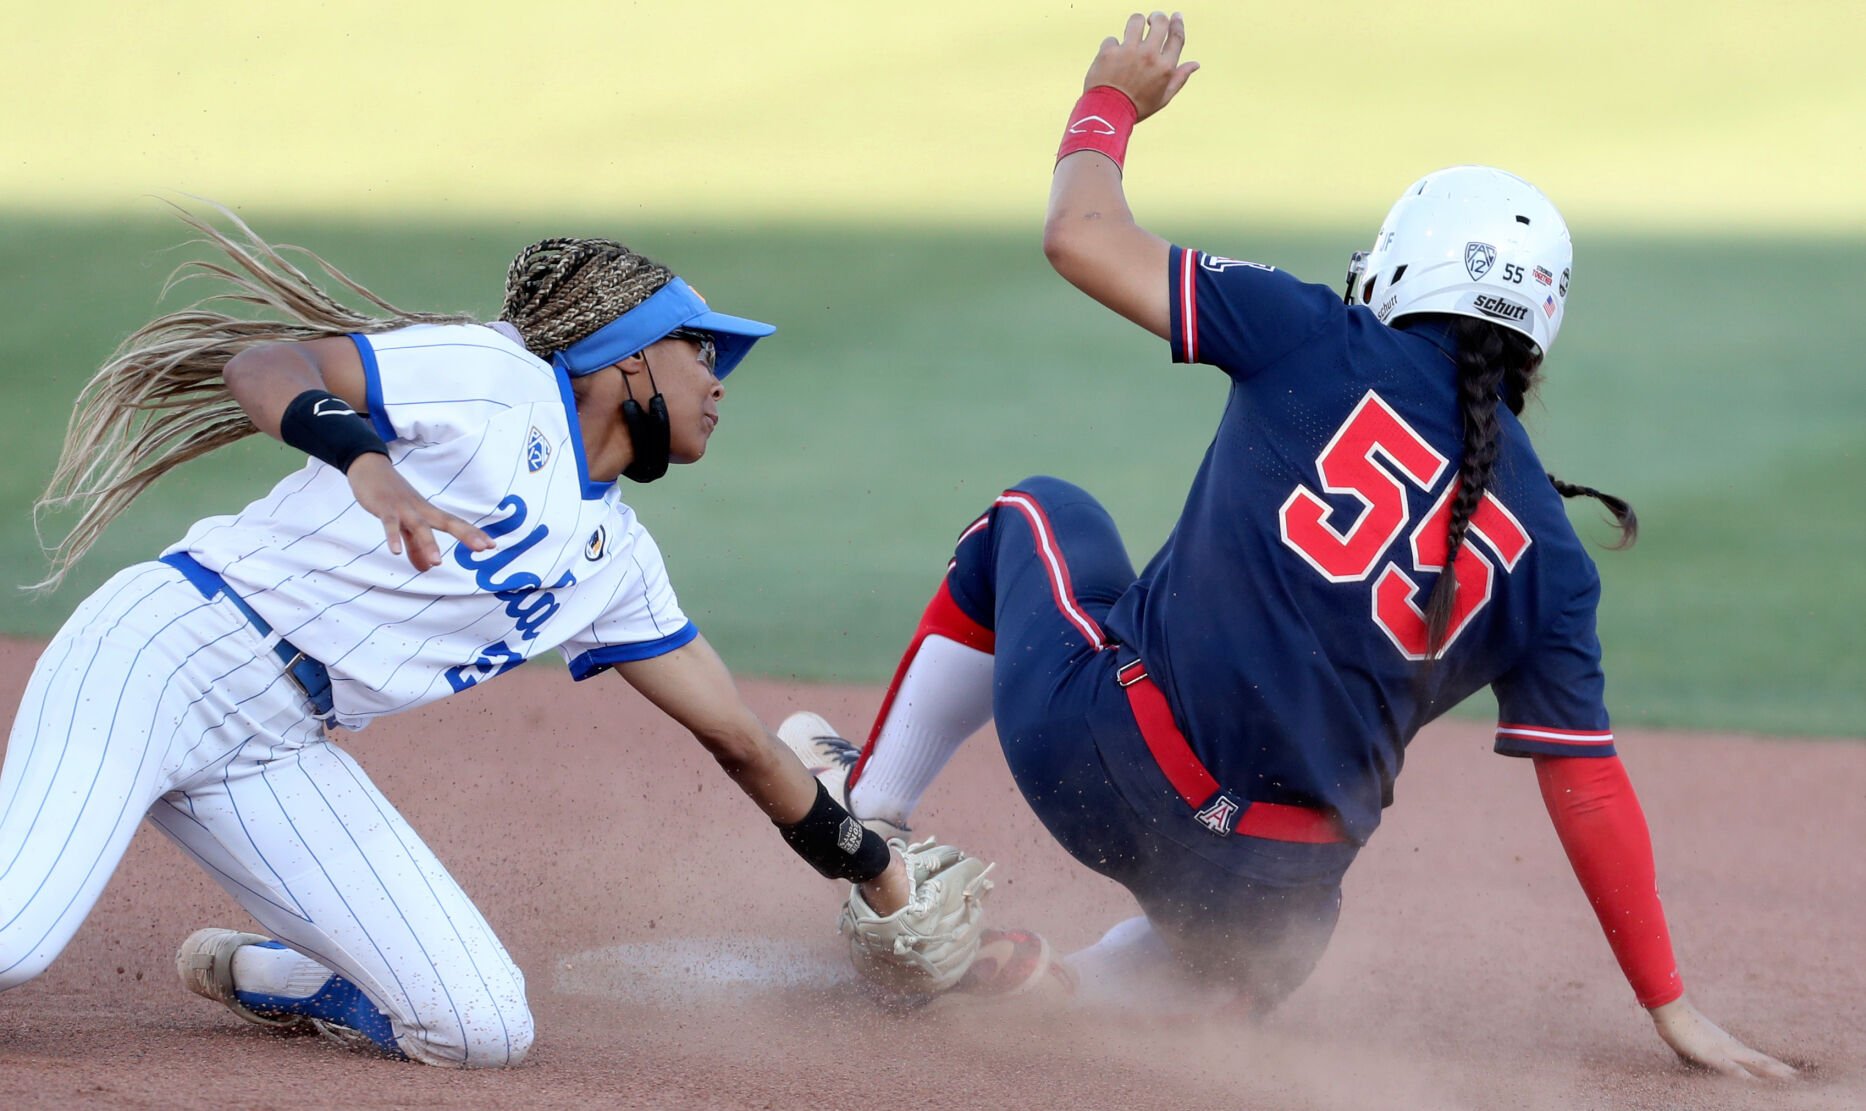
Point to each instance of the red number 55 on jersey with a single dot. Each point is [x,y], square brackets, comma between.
[1347,466]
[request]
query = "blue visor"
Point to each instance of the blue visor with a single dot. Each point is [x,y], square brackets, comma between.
[674,305]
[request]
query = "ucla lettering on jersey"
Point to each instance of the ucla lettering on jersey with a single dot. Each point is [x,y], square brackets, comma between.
[527,601]
[486,431]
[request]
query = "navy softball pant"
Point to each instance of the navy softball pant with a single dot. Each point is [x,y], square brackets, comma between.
[1041,569]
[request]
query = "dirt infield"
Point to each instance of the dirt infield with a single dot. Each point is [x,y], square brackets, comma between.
[678,956]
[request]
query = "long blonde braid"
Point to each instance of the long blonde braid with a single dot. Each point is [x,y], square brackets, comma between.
[160,400]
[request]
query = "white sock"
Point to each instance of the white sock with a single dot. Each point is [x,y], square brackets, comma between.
[1132,968]
[269,971]
[944,698]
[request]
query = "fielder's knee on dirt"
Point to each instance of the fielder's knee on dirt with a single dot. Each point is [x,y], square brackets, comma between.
[20,963]
[500,1043]
[483,1032]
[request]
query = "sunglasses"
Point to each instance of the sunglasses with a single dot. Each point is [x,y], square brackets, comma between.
[709,352]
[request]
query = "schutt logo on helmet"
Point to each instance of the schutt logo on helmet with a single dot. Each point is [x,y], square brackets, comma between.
[1495,306]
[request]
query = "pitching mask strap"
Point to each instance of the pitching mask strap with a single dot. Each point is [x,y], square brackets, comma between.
[649,432]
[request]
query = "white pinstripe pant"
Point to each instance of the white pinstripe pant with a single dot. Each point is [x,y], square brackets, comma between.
[155,701]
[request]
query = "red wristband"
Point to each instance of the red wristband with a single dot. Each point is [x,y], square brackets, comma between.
[1101,121]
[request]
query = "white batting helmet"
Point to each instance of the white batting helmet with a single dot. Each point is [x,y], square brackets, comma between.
[1470,241]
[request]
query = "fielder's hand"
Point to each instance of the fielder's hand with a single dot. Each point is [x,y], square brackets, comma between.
[407,517]
[1702,1042]
[926,946]
[1144,62]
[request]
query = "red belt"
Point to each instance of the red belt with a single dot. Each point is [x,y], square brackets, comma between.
[1216,808]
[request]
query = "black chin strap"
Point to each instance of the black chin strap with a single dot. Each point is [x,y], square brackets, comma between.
[648,431]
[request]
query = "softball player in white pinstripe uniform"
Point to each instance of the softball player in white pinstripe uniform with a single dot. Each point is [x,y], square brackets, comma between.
[459,515]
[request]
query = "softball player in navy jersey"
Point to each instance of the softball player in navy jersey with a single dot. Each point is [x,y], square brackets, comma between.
[458,516]
[1220,732]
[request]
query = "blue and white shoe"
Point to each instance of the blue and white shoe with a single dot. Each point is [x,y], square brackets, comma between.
[205,964]
[336,1011]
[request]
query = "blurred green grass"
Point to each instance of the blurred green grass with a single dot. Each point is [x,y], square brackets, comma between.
[1674,113]
[918,370]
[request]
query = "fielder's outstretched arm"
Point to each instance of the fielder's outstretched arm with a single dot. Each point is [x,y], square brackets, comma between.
[1089,235]
[692,686]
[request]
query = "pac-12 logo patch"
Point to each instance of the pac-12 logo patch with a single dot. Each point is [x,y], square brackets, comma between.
[537,451]
[598,544]
[1478,259]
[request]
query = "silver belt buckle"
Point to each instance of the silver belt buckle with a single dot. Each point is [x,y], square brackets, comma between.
[291,674]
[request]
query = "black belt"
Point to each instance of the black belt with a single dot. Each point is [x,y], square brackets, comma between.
[308,675]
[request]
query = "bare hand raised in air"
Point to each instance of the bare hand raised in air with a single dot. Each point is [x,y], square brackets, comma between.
[1144,63]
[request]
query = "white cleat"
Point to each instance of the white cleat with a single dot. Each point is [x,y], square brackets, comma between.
[205,964]
[830,758]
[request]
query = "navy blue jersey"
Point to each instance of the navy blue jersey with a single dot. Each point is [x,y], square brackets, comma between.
[1283,618]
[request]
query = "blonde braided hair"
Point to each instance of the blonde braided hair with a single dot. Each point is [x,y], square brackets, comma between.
[160,400]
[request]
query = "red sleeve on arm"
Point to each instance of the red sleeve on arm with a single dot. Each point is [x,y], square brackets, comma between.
[1598,819]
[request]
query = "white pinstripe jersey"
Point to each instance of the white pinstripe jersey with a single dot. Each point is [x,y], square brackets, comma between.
[486,431]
